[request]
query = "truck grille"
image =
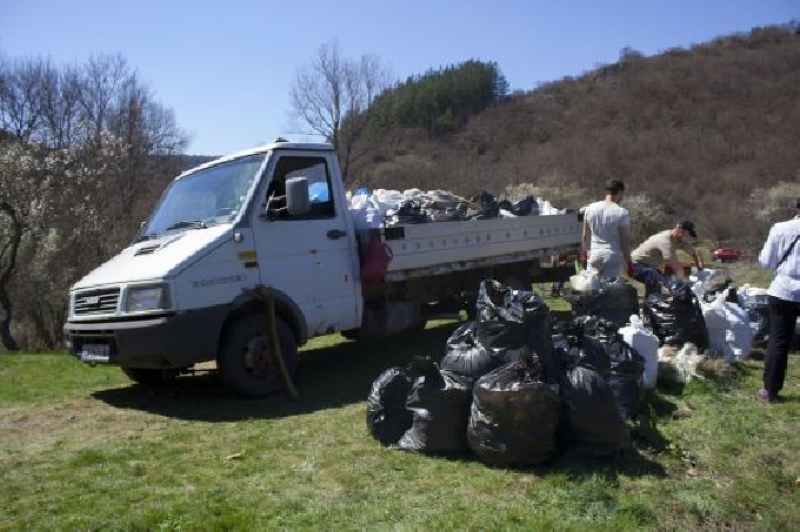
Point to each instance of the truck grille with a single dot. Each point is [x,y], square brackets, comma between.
[97,302]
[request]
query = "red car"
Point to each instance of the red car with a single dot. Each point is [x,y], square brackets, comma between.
[728,254]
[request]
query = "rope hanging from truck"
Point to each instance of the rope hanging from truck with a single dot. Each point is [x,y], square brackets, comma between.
[264,294]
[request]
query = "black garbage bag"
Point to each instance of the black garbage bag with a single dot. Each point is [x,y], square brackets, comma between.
[527,206]
[410,212]
[488,206]
[591,422]
[439,402]
[574,347]
[626,378]
[466,357]
[674,315]
[510,320]
[595,343]
[514,416]
[387,416]
[712,293]
[615,302]
[595,327]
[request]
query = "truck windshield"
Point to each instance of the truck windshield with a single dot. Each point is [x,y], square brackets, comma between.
[206,197]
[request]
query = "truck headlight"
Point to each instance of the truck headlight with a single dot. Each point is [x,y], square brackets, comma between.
[147,298]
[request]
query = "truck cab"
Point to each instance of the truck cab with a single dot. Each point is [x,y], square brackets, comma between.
[177,294]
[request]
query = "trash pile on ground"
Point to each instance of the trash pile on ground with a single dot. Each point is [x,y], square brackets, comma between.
[615,300]
[705,316]
[513,390]
[672,311]
[391,207]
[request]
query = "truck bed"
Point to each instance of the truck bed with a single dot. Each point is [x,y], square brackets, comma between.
[444,247]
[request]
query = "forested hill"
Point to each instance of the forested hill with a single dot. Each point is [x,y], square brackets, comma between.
[696,132]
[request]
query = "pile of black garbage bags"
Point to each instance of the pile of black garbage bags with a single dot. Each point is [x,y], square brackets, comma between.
[512,389]
[670,308]
[672,311]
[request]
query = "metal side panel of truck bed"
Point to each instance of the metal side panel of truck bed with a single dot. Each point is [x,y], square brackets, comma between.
[442,247]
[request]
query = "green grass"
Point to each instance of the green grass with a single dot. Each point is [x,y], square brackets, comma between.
[82,448]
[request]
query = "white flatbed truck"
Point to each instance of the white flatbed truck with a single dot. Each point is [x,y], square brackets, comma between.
[180,294]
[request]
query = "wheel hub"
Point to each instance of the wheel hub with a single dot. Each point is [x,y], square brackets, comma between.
[258,358]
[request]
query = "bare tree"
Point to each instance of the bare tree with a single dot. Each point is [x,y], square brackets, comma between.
[23,189]
[21,96]
[776,203]
[332,96]
[84,153]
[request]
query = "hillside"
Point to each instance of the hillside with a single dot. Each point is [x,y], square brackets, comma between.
[694,133]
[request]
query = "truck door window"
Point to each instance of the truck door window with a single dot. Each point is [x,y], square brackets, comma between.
[315,170]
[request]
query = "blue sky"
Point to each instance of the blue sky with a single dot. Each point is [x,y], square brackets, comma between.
[226,68]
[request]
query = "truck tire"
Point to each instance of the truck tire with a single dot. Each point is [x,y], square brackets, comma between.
[244,361]
[151,378]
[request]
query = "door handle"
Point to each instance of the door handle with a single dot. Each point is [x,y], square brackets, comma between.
[336,234]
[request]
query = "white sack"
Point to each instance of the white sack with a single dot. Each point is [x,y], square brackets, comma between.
[585,281]
[729,331]
[646,344]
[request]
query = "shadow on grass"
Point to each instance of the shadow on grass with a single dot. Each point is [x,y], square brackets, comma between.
[576,465]
[660,403]
[326,378]
[631,463]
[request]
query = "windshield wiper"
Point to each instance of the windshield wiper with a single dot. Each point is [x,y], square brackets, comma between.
[194,224]
[148,236]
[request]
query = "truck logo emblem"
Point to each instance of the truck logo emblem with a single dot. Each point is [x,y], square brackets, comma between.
[92,300]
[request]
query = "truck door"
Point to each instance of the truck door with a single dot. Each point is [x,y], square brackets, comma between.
[311,258]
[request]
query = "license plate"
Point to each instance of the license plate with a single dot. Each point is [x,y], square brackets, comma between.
[96,353]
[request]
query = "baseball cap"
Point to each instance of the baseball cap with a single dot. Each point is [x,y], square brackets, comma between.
[688,226]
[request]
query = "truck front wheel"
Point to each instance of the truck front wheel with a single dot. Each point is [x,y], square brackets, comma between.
[245,361]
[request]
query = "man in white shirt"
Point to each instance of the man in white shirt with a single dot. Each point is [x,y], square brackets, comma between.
[781,253]
[606,233]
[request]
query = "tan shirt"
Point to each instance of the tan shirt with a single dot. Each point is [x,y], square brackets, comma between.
[658,249]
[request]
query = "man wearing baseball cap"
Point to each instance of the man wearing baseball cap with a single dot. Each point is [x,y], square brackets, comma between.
[659,251]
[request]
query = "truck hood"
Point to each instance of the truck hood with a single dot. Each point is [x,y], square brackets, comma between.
[156,259]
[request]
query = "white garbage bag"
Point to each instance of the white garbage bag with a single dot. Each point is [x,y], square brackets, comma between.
[751,295]
[729,331]
[646,344]
[707,278]
[686,362]
[585,281]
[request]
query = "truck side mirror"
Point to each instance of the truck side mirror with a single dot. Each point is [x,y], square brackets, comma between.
[297,199]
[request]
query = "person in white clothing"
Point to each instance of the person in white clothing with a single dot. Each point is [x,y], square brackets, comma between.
[606,234]
[781,254]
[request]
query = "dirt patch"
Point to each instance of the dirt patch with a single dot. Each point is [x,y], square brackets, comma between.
[43,428]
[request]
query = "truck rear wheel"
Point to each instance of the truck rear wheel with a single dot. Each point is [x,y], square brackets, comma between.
[151,377]
[245,362]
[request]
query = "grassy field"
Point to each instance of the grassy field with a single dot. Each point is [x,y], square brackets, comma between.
[82,448]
